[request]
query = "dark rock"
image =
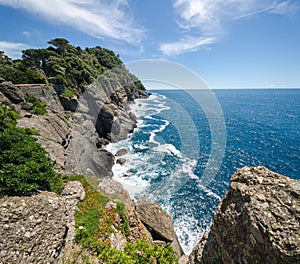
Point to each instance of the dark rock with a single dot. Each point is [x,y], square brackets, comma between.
[1,80]
[100,142]
[121,152]
[257,221]
[3,98]
[13,93]
[69,104]
[121,161]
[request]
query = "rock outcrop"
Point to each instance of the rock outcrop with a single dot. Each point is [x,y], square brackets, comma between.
[13,93]
[159,224]
[36,228]
[257,221]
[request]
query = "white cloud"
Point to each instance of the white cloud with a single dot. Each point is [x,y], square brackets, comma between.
[204,19]
[185,45]
[98,18]
[13,49]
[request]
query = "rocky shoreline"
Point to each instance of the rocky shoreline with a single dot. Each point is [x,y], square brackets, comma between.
[256,222]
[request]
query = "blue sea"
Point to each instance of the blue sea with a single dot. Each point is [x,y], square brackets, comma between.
[182,155]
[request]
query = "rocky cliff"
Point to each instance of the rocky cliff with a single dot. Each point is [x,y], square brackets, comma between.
[256,222]
[40,228]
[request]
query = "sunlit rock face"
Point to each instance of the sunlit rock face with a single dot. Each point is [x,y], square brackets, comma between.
[256,222]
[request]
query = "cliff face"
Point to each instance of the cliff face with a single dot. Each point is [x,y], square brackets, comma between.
[257,221]
[40,228]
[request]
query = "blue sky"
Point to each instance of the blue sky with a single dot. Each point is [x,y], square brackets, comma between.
[229,43]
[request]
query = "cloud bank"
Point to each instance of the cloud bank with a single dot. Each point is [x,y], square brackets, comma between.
[97,18]
[13,49]
[203,22]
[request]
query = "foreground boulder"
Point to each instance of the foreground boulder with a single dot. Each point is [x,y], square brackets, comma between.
[257,221]
[36,228]
[159,224]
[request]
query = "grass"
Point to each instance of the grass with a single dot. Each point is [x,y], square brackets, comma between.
[95,221]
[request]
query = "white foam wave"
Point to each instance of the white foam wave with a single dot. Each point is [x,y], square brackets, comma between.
[139,173]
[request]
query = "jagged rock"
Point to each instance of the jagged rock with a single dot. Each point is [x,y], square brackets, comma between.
[43,93]
[256,222]
[100,142]
[158,222]
[13,93]
[137,230]
[69,104]
[121,152]
[3,98]
[121,161]
[36,228]
[113,188]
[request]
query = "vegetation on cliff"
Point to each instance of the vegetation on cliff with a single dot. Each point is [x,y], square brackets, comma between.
[24,164]
[97,218]
[63,65]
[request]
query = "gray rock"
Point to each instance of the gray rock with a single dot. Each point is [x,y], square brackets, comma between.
[121,161]
[158,222]
[13,93]
[26,106]
[37,227]
[256,222]
[121,152]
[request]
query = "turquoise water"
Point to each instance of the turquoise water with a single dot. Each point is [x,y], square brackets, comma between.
[170,149]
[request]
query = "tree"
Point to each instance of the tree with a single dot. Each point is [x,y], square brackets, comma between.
[60,43]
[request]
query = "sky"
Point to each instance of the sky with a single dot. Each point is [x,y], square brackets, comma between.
[228,43]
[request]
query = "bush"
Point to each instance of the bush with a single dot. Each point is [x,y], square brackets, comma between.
[94,223]
[24,165]
[39,108]
[68,93]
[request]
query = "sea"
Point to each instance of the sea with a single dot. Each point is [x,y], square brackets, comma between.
[182,154]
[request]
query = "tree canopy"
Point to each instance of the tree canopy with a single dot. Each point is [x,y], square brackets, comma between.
[61,64]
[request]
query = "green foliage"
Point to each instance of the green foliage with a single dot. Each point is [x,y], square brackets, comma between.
[94,223]
[68,93]
[138,253]
[13,72]
[66,66]
[24,165]
[39,108]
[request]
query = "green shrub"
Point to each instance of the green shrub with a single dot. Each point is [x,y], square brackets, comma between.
[94,223]
[68,93]
[138,253]
[39,108]
[24,165]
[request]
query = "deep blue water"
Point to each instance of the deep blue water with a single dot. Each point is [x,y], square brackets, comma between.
[168,153]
